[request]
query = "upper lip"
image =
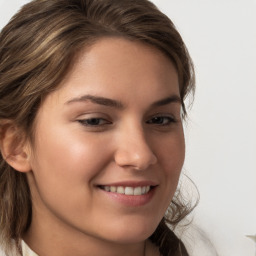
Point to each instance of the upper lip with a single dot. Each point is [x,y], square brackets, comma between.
[131,184]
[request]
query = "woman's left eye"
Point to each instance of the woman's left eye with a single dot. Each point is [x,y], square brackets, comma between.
[93,122]
[162,120]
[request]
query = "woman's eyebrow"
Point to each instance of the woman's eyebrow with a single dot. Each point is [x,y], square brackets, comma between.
[119,105]
[98,100]
[171,99]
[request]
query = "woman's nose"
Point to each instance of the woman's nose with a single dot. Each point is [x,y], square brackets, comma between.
[133,151]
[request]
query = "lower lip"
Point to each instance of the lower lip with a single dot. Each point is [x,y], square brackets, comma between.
[132,201]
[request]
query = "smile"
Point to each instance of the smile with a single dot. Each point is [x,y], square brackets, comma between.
[129,191]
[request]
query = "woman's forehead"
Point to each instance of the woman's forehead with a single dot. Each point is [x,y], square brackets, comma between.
[116,66]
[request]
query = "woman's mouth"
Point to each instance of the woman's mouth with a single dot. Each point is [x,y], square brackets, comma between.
[129,195]
[126,190]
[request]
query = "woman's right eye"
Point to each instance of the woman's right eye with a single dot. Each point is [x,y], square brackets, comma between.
[94,122]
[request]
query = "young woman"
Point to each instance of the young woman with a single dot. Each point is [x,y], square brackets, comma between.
[91,108]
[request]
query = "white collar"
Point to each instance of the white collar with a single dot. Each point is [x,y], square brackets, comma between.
[26,251]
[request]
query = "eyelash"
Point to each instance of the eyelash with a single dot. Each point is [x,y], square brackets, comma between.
[156,120]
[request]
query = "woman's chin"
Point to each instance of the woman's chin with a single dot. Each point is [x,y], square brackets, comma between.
[131,235]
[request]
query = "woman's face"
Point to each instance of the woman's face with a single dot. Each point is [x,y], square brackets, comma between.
[109,144]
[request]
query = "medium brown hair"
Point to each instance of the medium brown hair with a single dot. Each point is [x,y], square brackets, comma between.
[37,48]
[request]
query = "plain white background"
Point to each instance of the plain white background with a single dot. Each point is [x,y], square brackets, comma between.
[220,133]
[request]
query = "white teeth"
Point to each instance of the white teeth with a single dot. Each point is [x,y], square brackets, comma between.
[130,191]
[113,189]
[137,191]
[120,190]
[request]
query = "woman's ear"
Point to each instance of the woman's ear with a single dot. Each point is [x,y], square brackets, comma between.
[14,147]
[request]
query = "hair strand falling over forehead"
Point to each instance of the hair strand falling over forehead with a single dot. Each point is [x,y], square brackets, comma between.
[37,48]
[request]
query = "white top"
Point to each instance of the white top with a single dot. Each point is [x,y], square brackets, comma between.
[26,251]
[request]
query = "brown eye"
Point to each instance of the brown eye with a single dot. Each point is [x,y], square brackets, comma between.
[161,120]
[93,122]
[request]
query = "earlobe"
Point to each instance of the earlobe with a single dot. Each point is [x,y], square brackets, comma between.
[14,148]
